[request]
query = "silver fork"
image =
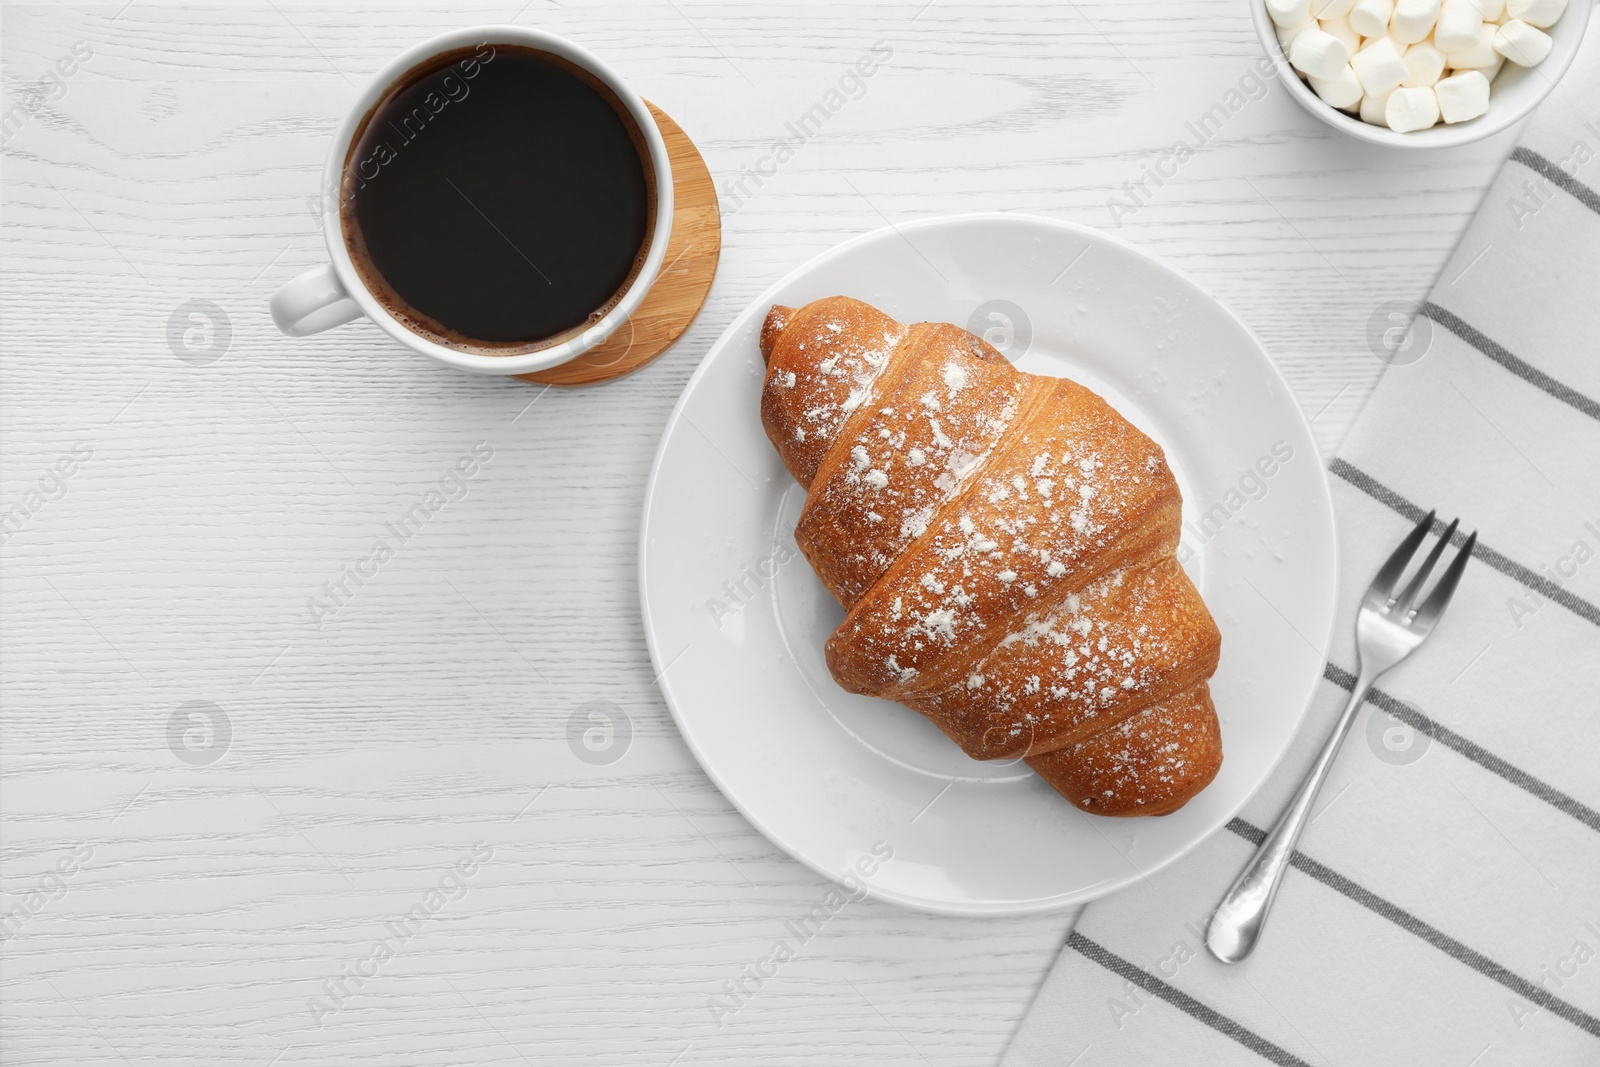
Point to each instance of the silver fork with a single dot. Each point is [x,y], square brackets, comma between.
[1389,628]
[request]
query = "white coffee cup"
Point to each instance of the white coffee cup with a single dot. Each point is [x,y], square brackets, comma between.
[334,294]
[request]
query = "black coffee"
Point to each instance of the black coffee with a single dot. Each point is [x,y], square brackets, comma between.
[498,197]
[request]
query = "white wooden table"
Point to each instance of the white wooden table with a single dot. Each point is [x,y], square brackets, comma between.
[165,909]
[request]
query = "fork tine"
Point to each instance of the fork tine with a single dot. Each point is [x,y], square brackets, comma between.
[1407,598]
[1439,599]
[1388,576]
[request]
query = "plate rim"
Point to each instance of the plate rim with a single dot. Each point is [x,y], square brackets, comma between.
[1100,890]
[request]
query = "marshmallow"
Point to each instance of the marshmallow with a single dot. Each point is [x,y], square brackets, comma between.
[1340,28]
[1479,55]
[1411,109]
[1320,54]
[1286,37]
[1524,45]
[1412,20]
[1386,60]
[1289,13]
[1463,96]
[1343,92]
[1379,67]
[1424,64]
[1540,13]
[1370,18]
[1458,25]
[1331,9]
[1372,108]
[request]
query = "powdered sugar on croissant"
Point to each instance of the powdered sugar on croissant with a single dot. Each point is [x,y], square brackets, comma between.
[1003,543]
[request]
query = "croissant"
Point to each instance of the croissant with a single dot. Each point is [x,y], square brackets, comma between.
[1003,544]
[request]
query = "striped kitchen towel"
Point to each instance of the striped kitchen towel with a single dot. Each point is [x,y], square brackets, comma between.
[1444,906]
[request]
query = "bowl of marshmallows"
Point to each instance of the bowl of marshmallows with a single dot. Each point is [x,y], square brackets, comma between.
[1420,73]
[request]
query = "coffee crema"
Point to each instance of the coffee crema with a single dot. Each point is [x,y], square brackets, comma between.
[498,198]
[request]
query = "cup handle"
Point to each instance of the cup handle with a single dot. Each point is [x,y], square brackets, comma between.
[313,302]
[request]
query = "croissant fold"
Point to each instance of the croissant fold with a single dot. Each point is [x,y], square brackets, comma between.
[1003,544]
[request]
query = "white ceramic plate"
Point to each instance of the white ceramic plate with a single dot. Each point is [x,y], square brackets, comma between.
[736,620]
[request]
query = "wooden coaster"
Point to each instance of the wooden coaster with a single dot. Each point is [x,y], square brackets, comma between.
[681,287]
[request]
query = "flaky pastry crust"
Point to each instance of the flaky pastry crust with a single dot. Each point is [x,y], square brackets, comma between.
[1003,544]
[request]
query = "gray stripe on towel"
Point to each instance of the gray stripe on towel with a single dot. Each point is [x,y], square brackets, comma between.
[1184,1002]
[1470,749]
[1437,938]
[1556,176]
[1526,371]
[1510,568]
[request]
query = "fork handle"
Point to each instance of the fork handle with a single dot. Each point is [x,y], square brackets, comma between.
[1237,922]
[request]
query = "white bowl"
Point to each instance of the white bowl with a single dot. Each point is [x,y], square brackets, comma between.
[1516,91]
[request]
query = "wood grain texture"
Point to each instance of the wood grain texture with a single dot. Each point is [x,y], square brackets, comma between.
[679,291]
[371,751]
